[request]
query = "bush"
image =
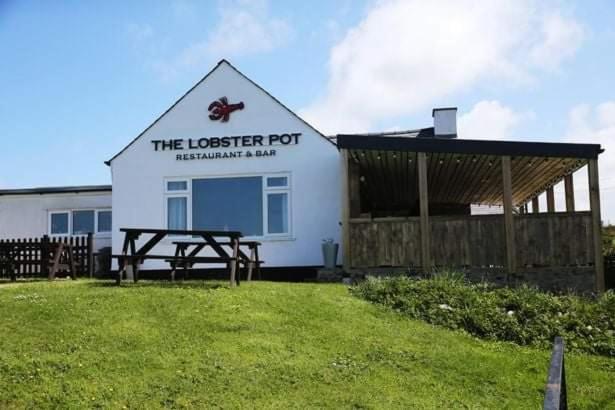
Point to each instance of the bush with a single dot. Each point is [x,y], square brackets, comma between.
[524,315]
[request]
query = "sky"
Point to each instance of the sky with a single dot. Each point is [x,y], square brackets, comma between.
[79,80]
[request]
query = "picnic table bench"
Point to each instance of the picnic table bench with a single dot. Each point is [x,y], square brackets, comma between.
[251,262]
[132,256]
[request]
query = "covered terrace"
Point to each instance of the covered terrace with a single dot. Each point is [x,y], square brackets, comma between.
[408,199]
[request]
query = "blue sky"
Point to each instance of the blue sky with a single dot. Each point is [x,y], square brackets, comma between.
[79,80]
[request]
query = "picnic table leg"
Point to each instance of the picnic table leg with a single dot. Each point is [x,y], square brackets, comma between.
[257,262]
[174,264]
[122,262]
[135,262]
[250,264]
[233,263]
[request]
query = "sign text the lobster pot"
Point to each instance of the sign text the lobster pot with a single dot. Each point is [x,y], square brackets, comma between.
[239,141]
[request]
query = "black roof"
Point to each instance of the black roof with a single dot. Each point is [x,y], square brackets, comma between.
[393,142]
[57,190]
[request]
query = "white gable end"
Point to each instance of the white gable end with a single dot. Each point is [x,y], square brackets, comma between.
[262,139]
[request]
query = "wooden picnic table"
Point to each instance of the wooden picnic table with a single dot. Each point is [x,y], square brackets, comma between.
[135,257]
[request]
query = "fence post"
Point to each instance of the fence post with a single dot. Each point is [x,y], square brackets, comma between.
[45,255]
[555,391]
[90,254]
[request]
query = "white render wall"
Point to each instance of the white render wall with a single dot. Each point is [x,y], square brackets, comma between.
[26,216]
[139,172]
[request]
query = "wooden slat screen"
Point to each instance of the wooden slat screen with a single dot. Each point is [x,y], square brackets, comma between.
[542,240]
[28,257]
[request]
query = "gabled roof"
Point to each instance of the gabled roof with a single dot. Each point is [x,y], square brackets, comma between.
[223,61]
[57,190]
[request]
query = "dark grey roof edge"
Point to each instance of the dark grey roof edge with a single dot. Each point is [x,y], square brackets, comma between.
[108,162]
[427,131]
[57,190]
[465,146]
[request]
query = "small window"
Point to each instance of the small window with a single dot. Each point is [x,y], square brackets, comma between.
[177,185]
[83,222]
[277,182]
[177,212]
[104,221]
[59,223]
[277,213]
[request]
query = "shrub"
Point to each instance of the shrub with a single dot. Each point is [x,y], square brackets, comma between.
[523,315]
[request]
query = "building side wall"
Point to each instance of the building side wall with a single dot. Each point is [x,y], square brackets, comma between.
[27,216]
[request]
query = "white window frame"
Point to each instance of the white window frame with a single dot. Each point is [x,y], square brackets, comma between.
[187,193]
[276,190]
[70,211]
[265,191]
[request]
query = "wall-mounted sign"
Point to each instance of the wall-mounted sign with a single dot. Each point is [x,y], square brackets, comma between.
[247,146]
[221,110]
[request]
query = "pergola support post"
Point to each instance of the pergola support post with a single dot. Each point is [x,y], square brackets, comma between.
[424,211]
[550,199]
[594,206]
[511,252]
[345,210]
[569,192]
[535,205]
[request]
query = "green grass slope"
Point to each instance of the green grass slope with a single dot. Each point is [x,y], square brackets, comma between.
[262,345]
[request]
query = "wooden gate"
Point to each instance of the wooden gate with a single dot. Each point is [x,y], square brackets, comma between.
[31,257]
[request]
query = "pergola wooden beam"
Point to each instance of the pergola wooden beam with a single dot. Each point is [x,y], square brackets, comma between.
[511,253]
[345,210]
[569,192]
[594,206]
[424,215]
[550,199]
[535,205]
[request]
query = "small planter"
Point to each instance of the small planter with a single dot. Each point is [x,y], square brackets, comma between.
[329,253]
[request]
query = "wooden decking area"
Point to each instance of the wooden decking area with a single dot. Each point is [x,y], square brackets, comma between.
[408,204]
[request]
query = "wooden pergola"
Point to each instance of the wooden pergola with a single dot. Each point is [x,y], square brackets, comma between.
[419,191]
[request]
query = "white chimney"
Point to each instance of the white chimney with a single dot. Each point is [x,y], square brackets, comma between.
[445,122]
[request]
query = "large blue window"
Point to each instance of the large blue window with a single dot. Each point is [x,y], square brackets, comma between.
[228,204]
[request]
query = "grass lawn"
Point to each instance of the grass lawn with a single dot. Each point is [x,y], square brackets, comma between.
[262,345]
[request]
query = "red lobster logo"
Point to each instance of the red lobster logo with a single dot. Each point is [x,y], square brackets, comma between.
[221,109]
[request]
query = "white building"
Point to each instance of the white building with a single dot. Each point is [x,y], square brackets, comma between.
[229,156]
[260,170]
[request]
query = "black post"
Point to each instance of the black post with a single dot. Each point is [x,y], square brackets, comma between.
[90,253]
[555,391]
[45,256]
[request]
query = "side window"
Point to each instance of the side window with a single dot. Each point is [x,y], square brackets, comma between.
[176,192]
[83,222]
[277,192]
[59,223]
[103,222]
[177,212]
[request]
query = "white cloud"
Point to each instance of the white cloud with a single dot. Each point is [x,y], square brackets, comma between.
[561,37]
[596,125]
[490,120]
[406,54]
[244,27]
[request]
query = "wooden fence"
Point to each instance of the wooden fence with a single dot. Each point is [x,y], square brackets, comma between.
[30,257]
[542,240]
